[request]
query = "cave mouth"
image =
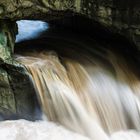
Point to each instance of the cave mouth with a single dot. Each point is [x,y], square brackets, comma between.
[73,27]
[70,32]
[67,34]
[30,29]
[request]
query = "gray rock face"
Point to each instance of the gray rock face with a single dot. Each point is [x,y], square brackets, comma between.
[34,9]
[7,39]
[17,95]
[23,90]
[7,101]
[119,16]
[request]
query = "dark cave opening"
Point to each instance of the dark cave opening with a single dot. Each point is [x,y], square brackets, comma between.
[76,31]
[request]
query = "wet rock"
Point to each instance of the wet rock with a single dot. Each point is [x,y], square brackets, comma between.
[7,99]
[7,39]
[24,94]
[17,95]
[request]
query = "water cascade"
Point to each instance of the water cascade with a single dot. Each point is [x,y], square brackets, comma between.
[92,95]
[86,91]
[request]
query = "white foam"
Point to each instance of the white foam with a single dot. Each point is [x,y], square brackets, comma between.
[42,130]
[126,135]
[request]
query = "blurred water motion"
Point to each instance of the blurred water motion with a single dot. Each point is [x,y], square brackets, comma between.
[85,94]
[85,88]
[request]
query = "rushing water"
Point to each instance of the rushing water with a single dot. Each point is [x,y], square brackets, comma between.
[85,94]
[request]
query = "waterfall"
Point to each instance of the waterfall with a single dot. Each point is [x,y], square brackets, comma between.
[92,95]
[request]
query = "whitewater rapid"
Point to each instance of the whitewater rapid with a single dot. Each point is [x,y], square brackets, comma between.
[45,130]
[41,130]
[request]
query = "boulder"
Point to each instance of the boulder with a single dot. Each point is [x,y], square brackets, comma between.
[17,95]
